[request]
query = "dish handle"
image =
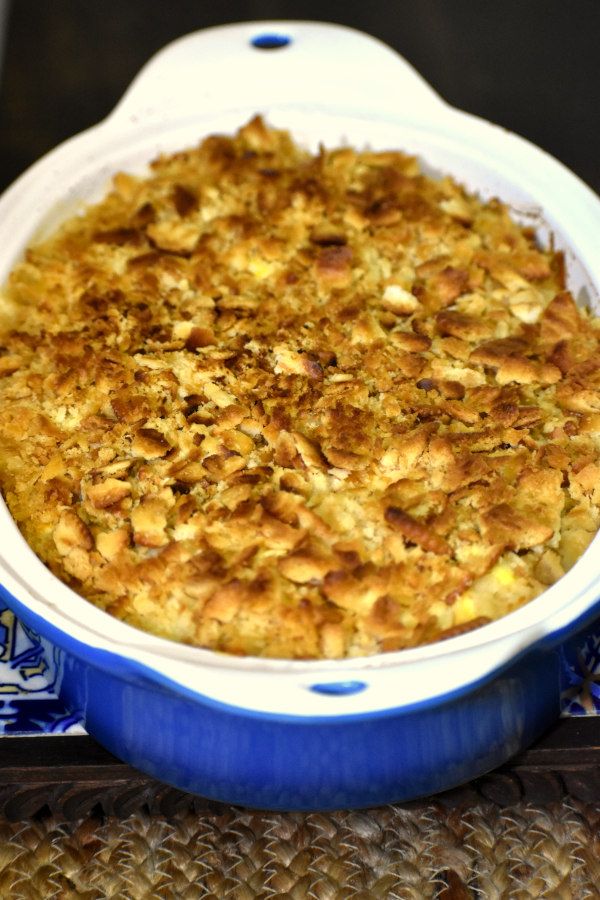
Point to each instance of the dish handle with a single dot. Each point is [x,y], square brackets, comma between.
[259,65]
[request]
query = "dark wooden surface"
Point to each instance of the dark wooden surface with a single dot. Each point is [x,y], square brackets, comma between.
[532,67]
[72,776]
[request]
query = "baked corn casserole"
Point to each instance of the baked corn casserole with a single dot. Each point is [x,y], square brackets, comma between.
[284,404]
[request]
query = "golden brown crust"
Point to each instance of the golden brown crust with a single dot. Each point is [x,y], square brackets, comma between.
[302,406]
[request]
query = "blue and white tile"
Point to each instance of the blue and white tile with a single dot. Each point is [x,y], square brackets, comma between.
[580,675]
[28,674]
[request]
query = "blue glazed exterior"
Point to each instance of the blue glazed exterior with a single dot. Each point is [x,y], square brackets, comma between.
[298,763]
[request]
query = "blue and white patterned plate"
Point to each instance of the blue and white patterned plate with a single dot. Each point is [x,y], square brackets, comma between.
[580,674]
[29,668]
[28,671]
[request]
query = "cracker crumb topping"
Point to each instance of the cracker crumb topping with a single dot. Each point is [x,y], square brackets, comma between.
[304,406]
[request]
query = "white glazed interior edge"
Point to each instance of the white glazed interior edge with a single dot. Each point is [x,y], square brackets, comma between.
[157,115]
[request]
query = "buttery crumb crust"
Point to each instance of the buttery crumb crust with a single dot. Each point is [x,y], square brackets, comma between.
[292,405]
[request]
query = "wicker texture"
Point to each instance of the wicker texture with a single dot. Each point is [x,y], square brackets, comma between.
[426,851]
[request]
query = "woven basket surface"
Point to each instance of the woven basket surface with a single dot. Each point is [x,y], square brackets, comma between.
[395,853]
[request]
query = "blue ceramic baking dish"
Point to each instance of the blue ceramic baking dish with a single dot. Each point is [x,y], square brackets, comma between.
[286,734]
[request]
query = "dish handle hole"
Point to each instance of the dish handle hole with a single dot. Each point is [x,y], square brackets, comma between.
[270,41]
[339,688]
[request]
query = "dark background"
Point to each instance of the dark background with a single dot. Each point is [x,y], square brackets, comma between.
[529,65]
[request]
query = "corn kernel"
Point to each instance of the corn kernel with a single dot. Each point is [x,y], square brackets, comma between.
[408,619]
[464,609]
[259,268]
[504,574]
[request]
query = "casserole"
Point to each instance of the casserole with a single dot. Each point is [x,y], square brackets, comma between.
[274,733]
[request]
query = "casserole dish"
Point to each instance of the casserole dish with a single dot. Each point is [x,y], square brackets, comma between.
[275,733]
